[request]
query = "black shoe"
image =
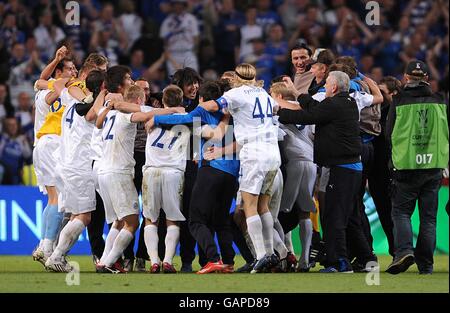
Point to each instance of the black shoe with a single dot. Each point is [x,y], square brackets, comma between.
[274,260]
[262,265]
[186,268]
[246,268]
[401,265]
[317,253]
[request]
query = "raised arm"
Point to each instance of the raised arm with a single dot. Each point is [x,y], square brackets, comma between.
[375,90]
[101,117]
[49,69]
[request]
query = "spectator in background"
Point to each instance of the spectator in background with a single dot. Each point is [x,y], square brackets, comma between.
[404,31]
[18,54]
[6,109]
[102,42]
[227,33]
[137,66]
[277,47]
[131,23]
[47,35]
[24,75]
[207,56]
[180,33]
[14,150]
[24,116]
[9,33]
[108,36]
[248,32]
[352,36]
[386,50]
[366,64]
[266,16]
[263,62]
[291,11]
[149,43]
[376,74]
[310,27]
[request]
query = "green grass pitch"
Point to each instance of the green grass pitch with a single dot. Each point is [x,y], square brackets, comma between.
[22,274]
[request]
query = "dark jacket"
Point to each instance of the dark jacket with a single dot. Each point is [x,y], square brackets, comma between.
[337,139]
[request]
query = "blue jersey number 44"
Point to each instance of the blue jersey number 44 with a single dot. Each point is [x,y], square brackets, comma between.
[258,111]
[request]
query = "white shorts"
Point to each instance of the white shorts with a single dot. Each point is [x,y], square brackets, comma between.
[79,191]
[44,160]
[95,174]
[299,187]
[259,165]
[119,196]
[162,188]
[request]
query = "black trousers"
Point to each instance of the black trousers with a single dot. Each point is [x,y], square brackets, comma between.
[340,209]
[187,242]
[95,228]
[211,200]
[367,158]
[409,187]
[380,181]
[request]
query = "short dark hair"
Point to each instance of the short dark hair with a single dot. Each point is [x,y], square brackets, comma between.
[224,84]
[210,91]
[115,76]
[300,46]
[60,65]
[172,96]
[342,68]
[186,76]
[278,79]
[94,82]
[351,63]
[392,83]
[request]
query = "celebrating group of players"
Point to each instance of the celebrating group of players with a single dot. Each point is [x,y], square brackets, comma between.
[86,124]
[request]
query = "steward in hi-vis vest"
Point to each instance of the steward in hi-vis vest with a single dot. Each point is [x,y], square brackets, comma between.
[417,130]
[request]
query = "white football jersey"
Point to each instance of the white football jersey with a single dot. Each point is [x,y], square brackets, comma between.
[97,142]
[41,110]
[167,147]
[76,134]
[363,99]
[252,111]
[118,135]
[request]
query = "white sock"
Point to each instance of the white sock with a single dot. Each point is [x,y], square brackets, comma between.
[305,233]
[249,242]
[68,236]
[122,241]
[172,238]
[41,244]
[151,242]
[267,231]
[279,229]
[109,242]
[279,245]
[288,241]
[47,246]
[254,228]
